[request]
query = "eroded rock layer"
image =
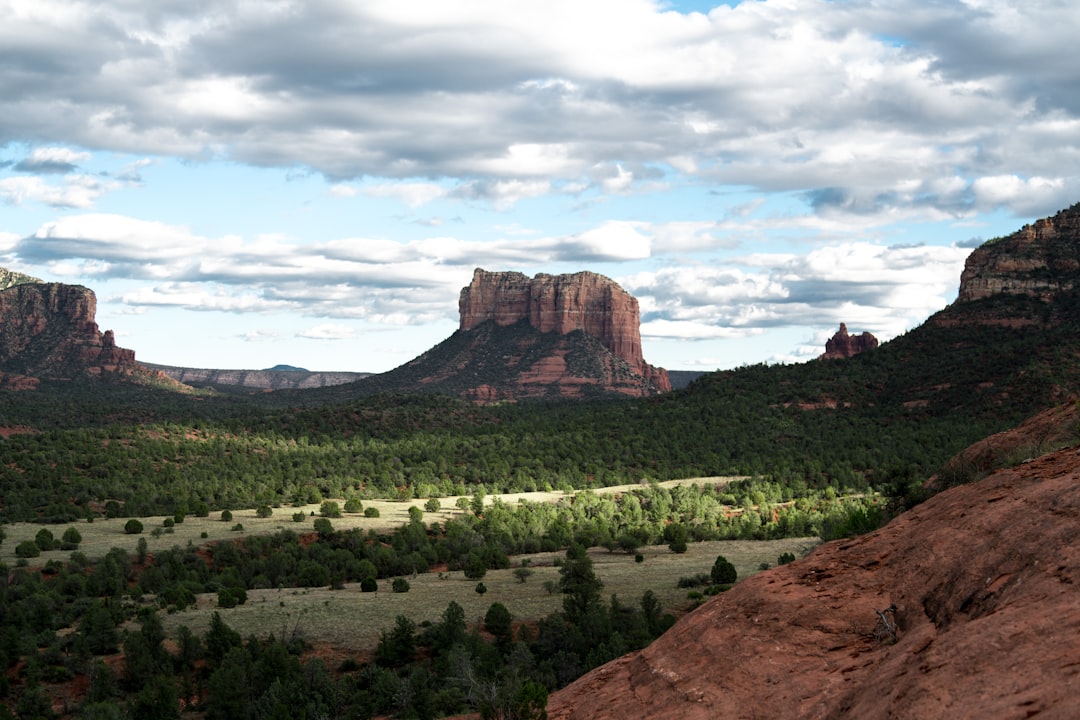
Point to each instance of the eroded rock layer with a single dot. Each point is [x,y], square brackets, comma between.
[561,304]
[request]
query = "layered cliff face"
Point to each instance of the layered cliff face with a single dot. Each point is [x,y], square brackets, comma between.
[564,336]
[983,578]
[561,304]
[47,331]
[843,345]
[1030,279]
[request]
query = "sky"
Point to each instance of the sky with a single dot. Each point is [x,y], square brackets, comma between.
[246,183]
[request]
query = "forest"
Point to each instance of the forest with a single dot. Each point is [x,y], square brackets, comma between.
[828,449]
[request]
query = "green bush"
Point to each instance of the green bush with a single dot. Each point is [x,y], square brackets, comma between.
[298,517]
[330,509]
[44,539]
[371,512]
[785,558]
[226,516]
[353,505]
[400,585]
[133,527]
[723,572]
[433,505]
[27,549]
[263,511]
[369,584]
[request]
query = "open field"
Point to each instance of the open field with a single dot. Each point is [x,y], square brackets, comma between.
[352,619]
[104,534]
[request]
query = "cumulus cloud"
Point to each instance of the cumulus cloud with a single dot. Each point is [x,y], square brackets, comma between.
[861,99]
[51,160]
[880,288]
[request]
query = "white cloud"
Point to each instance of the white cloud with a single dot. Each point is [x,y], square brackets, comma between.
[74,191]
[413,194]
[327,331]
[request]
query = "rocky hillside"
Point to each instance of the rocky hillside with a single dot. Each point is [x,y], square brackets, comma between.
[983,578]
[269,379]
[565,336]
[48,331]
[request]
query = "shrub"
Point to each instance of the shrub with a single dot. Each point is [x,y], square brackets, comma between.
[481,588]
[178,518]
[785,558]
[353,505]
[433,505]
[226,516]
[371,512]
[298,517]
[323,527]
[695,580]
[330,509]
[400,585]
[639,558]
[44,539]
[723,572]
[27,549]
[263,511]
[169,522]
[368,584]
[238,527]
[133,527]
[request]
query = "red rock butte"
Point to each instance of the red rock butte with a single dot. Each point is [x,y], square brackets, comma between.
[47,330]
[562,304]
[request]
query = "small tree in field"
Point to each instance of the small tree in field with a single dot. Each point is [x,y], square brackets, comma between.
[723,572]
[133,527]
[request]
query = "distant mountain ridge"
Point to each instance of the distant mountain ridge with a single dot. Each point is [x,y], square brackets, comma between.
[279,377]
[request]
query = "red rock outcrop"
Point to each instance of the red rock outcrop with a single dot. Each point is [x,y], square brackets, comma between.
[842,345]
[562,304]
[1039,260]
[983,578]
[48,331]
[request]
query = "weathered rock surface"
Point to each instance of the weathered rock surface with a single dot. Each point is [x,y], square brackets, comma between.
[257,379]
[1039,260]
[561,304]
[842,345]
[48,331]
[984,578]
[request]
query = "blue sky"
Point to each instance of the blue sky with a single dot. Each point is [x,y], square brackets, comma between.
[251,182]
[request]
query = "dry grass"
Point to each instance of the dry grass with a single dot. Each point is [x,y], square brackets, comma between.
[102,535]
[351,619]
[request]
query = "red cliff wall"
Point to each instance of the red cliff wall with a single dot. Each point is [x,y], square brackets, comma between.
[47,330]
[561,303]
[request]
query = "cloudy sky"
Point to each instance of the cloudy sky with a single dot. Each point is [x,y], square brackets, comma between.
[312,182]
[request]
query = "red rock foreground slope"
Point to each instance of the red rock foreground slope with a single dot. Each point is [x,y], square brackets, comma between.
[986,579]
